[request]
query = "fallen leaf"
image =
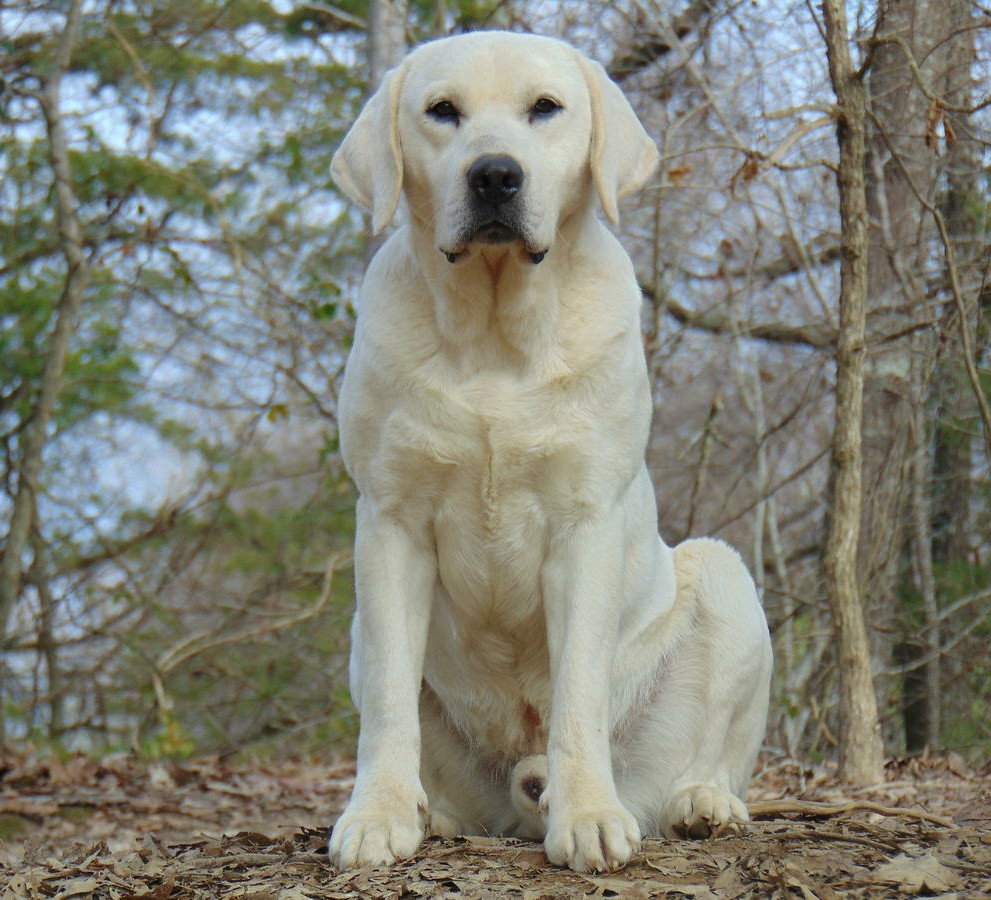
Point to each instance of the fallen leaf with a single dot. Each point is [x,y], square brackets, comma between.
[534,858]
[977,813]
[626,888]
[20,888]
[618,887]
[482,842]
[729,877]
[77,887]
[914,875]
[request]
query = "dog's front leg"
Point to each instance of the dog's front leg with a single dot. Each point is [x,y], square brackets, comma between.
[588,827]
[395,574]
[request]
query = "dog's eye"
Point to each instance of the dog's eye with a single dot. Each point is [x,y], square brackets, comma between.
[444,111]
[544,108]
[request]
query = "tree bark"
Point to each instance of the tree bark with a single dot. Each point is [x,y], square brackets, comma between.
[928,729]
[35,433]
[860,736]
[952,396]
[386,48]
[48,646]
[899,162]
[952,491]
[386,38]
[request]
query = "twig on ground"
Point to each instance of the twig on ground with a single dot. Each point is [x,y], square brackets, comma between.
[761,809]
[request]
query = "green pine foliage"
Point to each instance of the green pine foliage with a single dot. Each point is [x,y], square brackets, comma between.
[212,331]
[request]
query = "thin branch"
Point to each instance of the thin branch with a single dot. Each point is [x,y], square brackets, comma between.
[652,47]
[817,336]
[920,82]
[203,641]
[792,476]
[341,15]
[787,264]
[766,809]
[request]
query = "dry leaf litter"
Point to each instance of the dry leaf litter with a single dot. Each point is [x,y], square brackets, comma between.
[122,829]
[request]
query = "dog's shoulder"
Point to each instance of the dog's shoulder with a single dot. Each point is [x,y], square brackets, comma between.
[395,311]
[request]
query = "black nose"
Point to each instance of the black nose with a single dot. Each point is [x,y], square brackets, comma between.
[494,179]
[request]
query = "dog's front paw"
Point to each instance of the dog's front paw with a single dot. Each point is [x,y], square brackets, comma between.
[592,840]
[377,834]
[701,811]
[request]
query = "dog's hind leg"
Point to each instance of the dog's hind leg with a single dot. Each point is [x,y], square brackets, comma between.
[683,761]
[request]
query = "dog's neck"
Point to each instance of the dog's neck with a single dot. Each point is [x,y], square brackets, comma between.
[497,297]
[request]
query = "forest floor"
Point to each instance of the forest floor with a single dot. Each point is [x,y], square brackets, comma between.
[119,828]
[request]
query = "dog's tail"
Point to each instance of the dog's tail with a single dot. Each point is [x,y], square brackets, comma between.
[526,786]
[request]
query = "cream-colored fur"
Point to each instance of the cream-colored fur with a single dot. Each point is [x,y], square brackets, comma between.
[528,656]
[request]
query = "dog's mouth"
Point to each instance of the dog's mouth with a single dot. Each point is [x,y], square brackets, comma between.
[492,232]
[495,233]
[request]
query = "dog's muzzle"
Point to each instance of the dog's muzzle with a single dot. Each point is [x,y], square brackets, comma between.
[494,183]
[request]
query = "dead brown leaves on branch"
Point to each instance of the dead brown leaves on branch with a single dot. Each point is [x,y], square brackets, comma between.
[937,126]
[124,829]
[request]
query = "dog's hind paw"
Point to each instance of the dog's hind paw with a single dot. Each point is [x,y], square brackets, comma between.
[701,811]
[527,784]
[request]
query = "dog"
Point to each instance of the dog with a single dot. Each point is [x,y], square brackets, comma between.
[528,657]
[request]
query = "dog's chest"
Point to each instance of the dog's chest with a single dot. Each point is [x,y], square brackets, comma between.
[491,466]
[487,451]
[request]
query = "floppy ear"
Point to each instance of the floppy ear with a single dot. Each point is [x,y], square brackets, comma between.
[368,166]
[623,157]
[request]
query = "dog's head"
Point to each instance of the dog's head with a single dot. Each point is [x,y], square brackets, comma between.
[494,138]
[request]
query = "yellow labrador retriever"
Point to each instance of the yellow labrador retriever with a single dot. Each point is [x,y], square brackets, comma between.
[529,658]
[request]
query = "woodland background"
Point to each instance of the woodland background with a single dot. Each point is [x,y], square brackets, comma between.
[178,279]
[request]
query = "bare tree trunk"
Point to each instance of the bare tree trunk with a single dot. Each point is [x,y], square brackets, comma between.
[922,552]
[921,51]
[860,736]
[440,17]
[899,362]
[961,205]
[36,431]
[54,695]
[386,48]
[386,38]
[952,505]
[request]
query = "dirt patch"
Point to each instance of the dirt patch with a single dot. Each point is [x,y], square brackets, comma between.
[122,829]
